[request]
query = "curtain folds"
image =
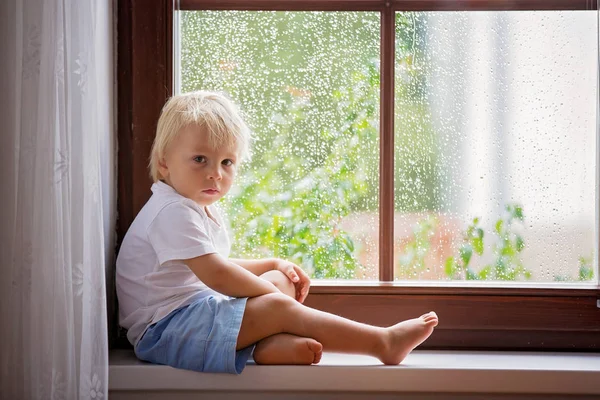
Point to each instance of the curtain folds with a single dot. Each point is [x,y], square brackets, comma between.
[55,123]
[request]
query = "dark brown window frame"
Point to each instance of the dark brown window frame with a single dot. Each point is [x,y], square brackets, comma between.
[490,318]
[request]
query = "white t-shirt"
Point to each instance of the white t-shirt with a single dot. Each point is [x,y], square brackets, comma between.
[151,280]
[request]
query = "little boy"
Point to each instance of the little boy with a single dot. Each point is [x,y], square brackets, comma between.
[185,303]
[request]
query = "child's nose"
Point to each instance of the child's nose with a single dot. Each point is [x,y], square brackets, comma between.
[215,173]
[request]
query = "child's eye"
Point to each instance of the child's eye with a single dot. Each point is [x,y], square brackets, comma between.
[200,159]
[227,162]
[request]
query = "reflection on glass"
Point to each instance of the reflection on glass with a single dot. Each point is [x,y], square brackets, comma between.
[308,85]
[495,146]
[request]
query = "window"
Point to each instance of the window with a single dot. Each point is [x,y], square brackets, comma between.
[495,143]
[308,83]
[408,109]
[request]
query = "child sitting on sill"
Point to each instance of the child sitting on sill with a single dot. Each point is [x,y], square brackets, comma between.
[185,303]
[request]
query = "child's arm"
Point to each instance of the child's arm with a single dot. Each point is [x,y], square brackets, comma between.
[257,267]
[227,277]
[299,278]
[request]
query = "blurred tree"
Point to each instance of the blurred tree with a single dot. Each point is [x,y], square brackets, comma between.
[308,83]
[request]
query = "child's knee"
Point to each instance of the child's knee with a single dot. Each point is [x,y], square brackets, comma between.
[281,282]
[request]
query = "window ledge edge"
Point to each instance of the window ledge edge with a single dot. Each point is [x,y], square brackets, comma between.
[421,372]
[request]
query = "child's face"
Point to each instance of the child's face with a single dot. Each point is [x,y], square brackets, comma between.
[196,170]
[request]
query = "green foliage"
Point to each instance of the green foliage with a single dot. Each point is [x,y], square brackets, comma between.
[585,272]
[309,86]
[507,264]
[412,259]
[284,69]
[459,268]
[298,219]
[417,176]
[506,251]
[310,91]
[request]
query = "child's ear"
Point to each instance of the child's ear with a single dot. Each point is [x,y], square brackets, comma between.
[162,167]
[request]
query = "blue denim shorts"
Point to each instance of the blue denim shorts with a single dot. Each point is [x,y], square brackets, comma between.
[201,336]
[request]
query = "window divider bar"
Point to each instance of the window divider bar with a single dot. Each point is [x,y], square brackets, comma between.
[289,5]
[171,6]
[397,5]
[386,146]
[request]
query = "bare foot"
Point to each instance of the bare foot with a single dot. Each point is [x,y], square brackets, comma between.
[405,336]
[286,349]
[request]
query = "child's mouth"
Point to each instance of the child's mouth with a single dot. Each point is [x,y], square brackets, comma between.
[210,191]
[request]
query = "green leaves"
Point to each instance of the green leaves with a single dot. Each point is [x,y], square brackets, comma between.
[586,268]
[466,251]
[478,243]
[291,209]
[516,212]
[520,243]
[309,84]
[412,259]
[499,226]
[451,268]
[507,264]
[506,250]
[585,271]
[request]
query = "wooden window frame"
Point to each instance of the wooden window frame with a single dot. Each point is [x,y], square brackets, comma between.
[490,318]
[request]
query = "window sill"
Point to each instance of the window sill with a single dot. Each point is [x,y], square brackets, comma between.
[422,372]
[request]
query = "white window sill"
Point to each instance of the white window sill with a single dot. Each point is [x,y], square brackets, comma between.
[421,372]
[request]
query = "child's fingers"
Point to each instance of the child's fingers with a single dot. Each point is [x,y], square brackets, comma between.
[304,295]
[302,272]
[303,290]
[299,291]
[294,276]
[300,294]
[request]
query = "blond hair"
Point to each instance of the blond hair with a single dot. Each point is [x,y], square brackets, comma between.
[210,110]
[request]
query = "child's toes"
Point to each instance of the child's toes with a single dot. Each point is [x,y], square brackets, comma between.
[317,358]
[316,348]
[429,317]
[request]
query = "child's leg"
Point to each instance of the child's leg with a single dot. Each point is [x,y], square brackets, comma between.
[281,282]
[284,348]
[276,313]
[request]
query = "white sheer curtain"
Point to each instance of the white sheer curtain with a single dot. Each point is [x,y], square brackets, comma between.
[56,123]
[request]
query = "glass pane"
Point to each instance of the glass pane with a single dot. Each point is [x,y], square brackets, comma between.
[308,85]
[495,136]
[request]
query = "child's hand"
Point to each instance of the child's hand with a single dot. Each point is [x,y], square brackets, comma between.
[298,277]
